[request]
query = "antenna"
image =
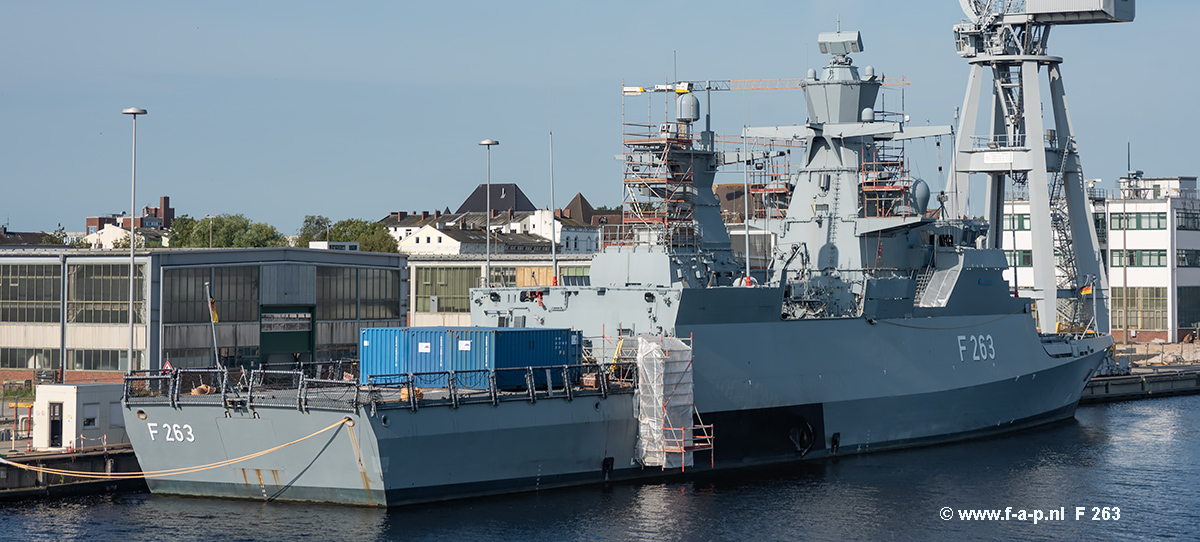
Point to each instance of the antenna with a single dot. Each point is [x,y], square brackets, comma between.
[675,59]
[553,224]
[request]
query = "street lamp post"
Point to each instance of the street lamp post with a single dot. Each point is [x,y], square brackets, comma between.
[487,266]
[135,111]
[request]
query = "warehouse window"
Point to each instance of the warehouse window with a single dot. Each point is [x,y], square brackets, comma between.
[99,294]
[1147,307]
[30,293]
[450,285]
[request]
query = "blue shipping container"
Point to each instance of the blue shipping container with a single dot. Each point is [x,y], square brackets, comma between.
[390,351]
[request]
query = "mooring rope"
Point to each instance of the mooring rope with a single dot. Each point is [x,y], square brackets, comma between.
[170,472]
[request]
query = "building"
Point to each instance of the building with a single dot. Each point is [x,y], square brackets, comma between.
[1149,234]
[272,305]
[158,218]
[504,197]
[574,236]
[16,238]
[580,209]
[452,239]
[350,246]
[441,284]
[442,233]
[111,234]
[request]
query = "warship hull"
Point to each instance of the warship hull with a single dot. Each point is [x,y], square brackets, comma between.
[774,392]
[396,456]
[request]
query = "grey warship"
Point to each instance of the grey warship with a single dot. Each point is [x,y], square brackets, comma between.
[874,325]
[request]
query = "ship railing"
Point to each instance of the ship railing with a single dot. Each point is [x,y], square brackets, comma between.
[296,389]
[326,394]
[532,384]
[203,386]
[149,387]
[329,369]
[651,229]
[997,141]
[275,388]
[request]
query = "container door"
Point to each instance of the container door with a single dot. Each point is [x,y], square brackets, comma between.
[56,425]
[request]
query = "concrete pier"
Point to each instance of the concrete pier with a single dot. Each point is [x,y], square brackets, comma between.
[20,484]
[1144,383]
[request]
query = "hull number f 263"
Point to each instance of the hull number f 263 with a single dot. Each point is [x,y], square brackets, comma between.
[172,432]
[982,347]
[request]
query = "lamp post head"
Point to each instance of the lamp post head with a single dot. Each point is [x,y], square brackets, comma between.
[135,111]
[485,143]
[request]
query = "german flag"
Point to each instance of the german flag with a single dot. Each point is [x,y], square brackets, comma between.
[1087,290]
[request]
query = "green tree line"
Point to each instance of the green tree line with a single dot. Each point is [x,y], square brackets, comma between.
[237,231]
[371,236]
[224,231]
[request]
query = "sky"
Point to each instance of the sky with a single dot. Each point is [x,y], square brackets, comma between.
[281,109]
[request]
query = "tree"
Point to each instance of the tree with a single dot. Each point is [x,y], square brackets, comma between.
[181,231]
[378,240]
[141,242]
[313,229]
[58,237]
[371,236]
[259,234]
[351,229]
[224,231]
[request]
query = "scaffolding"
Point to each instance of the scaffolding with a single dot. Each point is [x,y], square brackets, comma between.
[668,434]
[885,186]
[658,179]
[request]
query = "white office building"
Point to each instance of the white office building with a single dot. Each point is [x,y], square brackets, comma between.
[1149,233]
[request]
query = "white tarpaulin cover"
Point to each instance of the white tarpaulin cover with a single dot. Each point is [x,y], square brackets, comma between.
[664,401]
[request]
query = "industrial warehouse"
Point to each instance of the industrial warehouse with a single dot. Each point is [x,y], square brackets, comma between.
[65,312]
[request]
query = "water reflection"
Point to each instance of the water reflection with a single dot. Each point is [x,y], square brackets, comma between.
[1143,457]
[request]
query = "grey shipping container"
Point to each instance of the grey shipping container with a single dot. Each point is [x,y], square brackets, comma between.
[392,351]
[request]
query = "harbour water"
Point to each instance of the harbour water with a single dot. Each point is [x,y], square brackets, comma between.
[1141,457]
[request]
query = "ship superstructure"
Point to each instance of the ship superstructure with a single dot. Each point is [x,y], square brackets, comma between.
[875,315]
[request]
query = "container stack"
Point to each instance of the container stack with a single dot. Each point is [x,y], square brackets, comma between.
[410,350]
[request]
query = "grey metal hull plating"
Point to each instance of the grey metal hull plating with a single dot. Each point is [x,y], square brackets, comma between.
[775,391]
[396,456]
